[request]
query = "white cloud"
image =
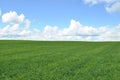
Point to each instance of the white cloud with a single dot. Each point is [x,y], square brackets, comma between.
[75,31]
[12,17]
[114,8]
[93,2]
[14,29]
[4,30]
[111,6]
[27,24]
[50,29]
[78,29]
[10,29]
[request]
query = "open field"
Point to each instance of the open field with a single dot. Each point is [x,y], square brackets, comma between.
[57,60]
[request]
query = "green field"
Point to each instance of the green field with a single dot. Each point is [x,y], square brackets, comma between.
[59,60]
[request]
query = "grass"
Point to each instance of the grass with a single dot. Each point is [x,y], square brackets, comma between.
[59,60]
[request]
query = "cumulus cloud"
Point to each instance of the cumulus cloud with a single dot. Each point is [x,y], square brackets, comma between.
[111,6]
[115,7]
[75,31]
[93,2]
[12,17]
[13,29]
[27,24]
[10,29]
[78,29]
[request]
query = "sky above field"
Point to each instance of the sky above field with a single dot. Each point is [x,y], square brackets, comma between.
[84,20]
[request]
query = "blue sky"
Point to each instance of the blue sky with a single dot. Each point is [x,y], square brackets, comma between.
[59,13]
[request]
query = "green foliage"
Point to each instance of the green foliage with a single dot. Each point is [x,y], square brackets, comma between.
[59,60]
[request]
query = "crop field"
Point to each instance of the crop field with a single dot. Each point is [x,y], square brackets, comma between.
[59,60]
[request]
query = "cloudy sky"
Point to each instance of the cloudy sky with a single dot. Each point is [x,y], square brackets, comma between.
[83,20]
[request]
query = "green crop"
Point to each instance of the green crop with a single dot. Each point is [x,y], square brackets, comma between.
[59,60]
